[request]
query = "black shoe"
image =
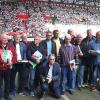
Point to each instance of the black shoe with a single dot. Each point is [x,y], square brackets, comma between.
[41,96]
[9,98]
[62,92]
[79,88]
[70,92]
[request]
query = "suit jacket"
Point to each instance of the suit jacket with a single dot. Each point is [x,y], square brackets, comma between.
[4,66]
[22,49]
[32,48]
[43,72]
[86,59]
[61,40]
[44,44]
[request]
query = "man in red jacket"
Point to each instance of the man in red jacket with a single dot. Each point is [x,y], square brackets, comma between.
[7,58]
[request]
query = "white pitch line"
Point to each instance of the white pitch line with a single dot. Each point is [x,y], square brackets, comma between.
[65,97]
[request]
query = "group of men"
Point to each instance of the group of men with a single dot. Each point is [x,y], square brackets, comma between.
[53,64]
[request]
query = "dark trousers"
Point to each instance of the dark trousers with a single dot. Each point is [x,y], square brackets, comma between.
[51,88]
[20,68]
[5,75]
[95,74]
[88,73]
[26,70]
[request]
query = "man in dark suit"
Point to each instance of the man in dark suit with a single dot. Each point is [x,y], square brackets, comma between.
[49,45]
[34,47]
[50,77]
[86,59]
[58,41]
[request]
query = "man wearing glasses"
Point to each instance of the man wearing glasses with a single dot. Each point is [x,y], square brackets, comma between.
[50,77]
[49,45]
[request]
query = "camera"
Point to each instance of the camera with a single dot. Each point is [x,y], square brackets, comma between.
[44,79]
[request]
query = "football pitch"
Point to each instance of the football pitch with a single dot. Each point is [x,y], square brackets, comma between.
[84,94]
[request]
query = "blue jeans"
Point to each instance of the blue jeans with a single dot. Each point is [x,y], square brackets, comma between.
[80,75]
[32,79]
[96,72]
[45,87]
[67,75]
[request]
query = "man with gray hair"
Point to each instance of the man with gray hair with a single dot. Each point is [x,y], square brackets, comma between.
[86,57]
[50,77]
[95,46]
[20,48]
[7,58]
[67,55]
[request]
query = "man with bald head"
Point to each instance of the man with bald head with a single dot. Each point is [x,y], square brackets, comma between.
[67,54]
[95,45]
[72,34]
[6,63]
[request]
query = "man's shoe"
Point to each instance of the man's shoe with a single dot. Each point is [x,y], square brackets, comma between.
[22,93]
[32,94]
[62,92]
[13,93]
[41,96]
[70,92]
[79,88]
[40,99]
[9,97]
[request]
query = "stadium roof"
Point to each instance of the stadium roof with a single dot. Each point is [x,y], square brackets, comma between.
[85,3]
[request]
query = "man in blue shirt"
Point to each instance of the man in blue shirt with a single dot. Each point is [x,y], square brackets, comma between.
[49,45]
[95,45]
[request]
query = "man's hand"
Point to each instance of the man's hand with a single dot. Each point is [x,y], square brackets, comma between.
[49,79]
[33,56]
[37,61]
[5,61]
[80,54]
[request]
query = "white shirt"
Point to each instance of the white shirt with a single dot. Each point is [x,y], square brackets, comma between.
[58,45]
[50,71]
[18,52]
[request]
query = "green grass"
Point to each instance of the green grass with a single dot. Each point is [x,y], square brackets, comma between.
[18,97]
[84,95]
[78,95]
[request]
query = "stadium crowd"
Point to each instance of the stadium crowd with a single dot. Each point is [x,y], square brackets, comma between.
[52,66]
[36,21]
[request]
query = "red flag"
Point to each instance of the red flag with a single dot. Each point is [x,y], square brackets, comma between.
[22,16]
[47,17]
